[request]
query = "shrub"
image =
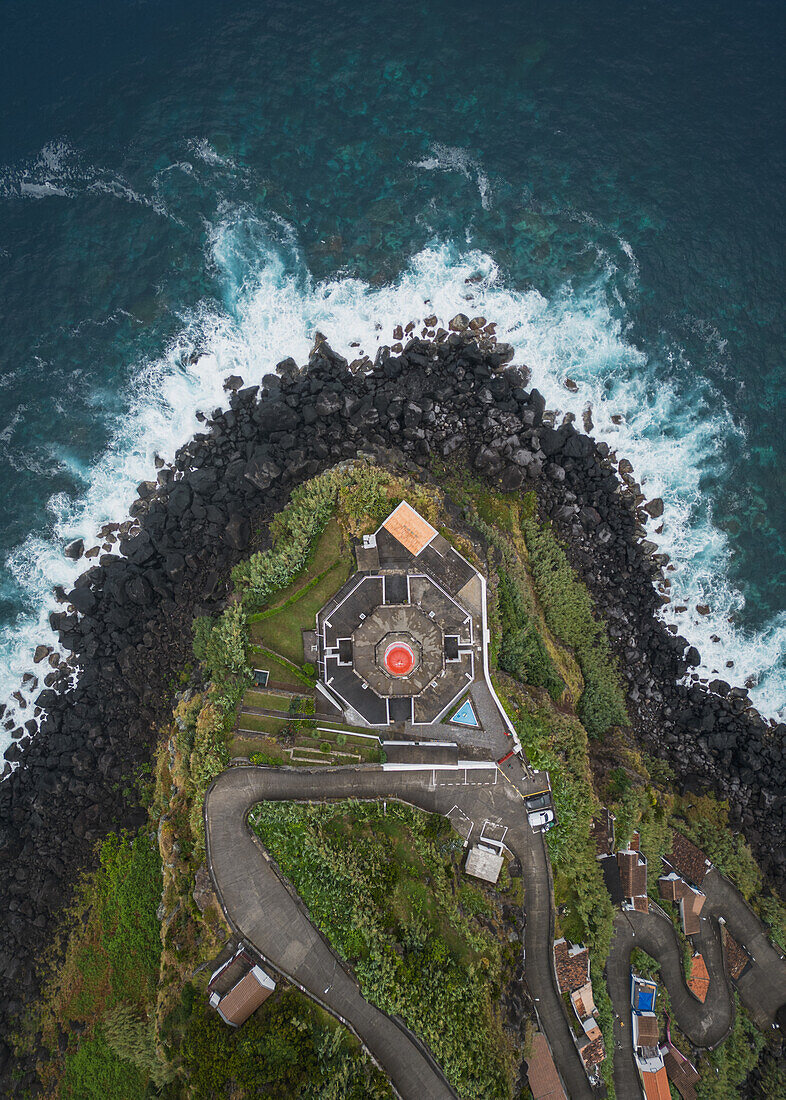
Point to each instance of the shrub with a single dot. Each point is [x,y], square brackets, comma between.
[521,649]
[569,615]
[96,1072]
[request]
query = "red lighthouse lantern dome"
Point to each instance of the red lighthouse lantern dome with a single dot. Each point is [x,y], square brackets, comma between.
[399,659]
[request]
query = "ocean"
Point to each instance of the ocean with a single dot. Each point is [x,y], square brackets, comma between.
[189,190]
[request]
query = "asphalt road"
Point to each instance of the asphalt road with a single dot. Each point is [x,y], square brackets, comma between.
[762,989]
[268,913]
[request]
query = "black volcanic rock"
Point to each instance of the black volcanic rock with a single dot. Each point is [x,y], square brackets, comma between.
[130,629]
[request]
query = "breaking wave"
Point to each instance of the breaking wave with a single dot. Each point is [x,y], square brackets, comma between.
[271,308]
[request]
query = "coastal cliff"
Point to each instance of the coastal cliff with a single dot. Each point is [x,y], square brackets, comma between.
[439,402]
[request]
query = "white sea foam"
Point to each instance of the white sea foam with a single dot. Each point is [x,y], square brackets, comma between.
[452,158]
[273,307]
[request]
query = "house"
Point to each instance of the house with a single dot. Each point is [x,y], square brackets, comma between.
[643,992]
[691,902]
[686,860]
[737,958]
[680,1071]
[544,1081]
[593,1054]
[646,1039]
[484,862]
[238,988]
[699,980]
[633,876]
[571,963]
[649,1059]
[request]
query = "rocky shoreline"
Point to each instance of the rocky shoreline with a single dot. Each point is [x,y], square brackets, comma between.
[127,622]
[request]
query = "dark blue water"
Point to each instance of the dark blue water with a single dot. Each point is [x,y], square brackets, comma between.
[605,181]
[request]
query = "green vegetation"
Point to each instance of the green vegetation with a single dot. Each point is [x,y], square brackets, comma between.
[95,1072]
[522,651]
[109,971]
[382,886]
[569,613]
[261,723]
[292,1048]
[282,629]
[724,1069]
[282,671]
[266,700]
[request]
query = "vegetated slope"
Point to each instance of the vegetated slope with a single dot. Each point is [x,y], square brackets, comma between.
[126,620]
[385,885]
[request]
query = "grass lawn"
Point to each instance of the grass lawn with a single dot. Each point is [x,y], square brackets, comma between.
[281,675]
[259,723]
[266,700]
[244,746]
[328,551]
[281,630]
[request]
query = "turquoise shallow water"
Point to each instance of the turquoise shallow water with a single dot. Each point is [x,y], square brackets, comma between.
[605,183]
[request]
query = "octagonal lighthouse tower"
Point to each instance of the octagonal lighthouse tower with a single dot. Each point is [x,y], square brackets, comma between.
[404,642]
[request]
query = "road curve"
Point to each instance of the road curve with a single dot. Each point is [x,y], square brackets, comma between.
[262,909]
[762,989]
[268,913]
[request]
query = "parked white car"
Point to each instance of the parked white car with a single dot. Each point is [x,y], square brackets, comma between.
[540,820]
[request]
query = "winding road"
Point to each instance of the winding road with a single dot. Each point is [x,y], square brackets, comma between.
[266,911]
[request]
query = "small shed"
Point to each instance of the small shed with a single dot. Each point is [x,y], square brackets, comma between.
[238,988]
[484,862]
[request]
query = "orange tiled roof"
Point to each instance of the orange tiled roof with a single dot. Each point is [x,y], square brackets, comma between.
[542,1074]
[572,969]
[411,530]
[656,1085]
[699,981]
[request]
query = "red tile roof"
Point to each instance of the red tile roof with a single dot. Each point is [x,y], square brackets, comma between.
[737,957]
[647,1030]
[592,1054]
[687,860]
[243,1000]
[672,887]
[633,874]
[542,1074]
[691,904]
[699,980]
[572,969]
[681,1073]
[656,1085]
